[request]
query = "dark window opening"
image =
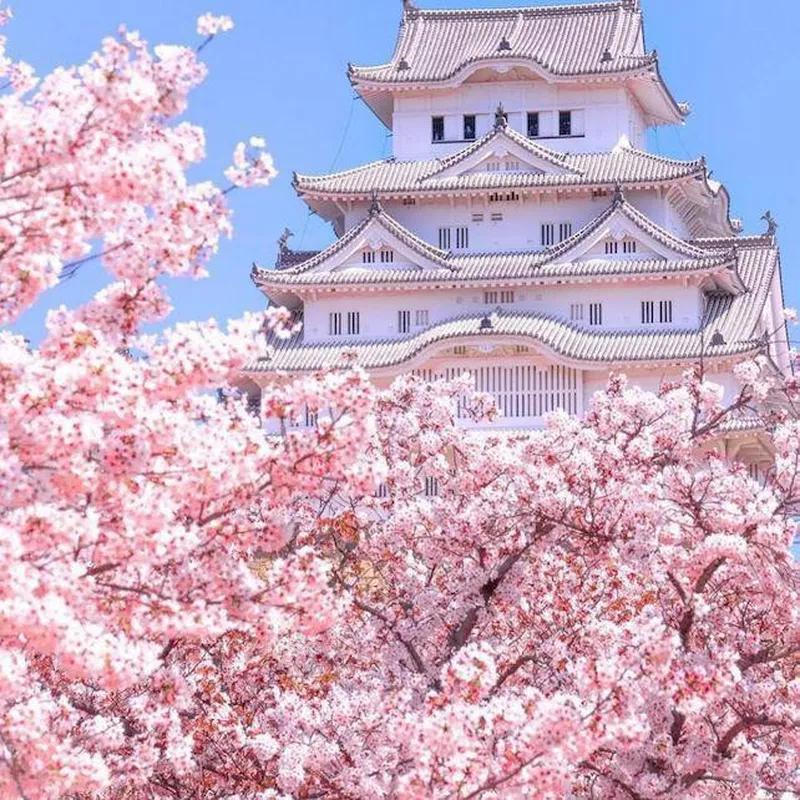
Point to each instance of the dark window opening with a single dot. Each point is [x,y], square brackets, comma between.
[469,126]
[438,129]
[533,124]
[565,123]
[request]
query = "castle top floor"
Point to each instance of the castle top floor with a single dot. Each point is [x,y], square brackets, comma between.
[578,77]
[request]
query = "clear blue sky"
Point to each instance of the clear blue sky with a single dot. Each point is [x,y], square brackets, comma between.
[281,74]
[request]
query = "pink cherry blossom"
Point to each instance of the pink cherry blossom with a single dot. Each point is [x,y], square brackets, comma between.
[211,25]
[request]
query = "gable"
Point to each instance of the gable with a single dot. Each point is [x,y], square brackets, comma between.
[623,233]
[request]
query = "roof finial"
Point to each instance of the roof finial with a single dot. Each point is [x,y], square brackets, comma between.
[504,44]
[403,65]
[772,226]
[500,118]
[606,57]
[619,195]
[283,241]
[375,207]
[409,8]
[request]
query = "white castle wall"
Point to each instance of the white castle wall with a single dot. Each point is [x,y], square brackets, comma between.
[602,116]
[520,228]
[621,307]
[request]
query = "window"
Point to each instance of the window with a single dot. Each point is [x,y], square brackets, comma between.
[595,313]
[462,238]
[444,238]
[493,166]
[353,323]
[663,309]
[335,323]
[387,256]
[648,312]
[469,126]
[368,256]
[409,201]
[612,247]
[629,246]
[548,234]
[565,123]
[382,491]
[507,297]
[421,318]
[490,298]
[533,124]
[665,312]
[522,348]
[460,350]
[431,487]
[437,125]
[501,197]
[512,166]
[403,321]
[497,216]
[477,217]
[564,231]
[576,312]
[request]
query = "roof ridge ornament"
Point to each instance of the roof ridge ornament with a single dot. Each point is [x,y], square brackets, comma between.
[619,195]
[607,56]
[504,45]
[403,65]
[283,241]
[409,9]
[772,225]
[500,118]
[375,207]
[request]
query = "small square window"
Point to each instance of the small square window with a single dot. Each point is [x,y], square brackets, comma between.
[533,124]
[565,123]
[438,129]
[469,126]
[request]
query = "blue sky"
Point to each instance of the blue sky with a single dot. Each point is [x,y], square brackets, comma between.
[281,74]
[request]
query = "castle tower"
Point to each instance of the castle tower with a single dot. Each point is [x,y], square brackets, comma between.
[521,231]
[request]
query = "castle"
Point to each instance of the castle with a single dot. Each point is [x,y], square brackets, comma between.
[521,231]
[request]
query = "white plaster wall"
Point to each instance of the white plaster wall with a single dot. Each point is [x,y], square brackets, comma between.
[520,229]
[621,307]
[603,115]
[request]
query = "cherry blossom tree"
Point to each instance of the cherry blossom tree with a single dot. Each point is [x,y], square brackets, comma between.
[383,606]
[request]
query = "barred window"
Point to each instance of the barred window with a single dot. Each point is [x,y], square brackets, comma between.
[576,312]
[403,321]
[548,234]
[353,323]
[444,238]
[335,323]
[421,318]
[564,231]
[595,313]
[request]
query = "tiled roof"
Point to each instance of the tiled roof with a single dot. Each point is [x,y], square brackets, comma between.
[561,337]
[623,165]
[731,326]
[594,39]
[453,267]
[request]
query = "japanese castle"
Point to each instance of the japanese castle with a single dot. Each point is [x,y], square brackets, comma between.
[521,231]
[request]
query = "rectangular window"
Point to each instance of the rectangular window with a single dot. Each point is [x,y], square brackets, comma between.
[595,313]
[403,321]
[507,297]
[548,234]
[477,217]
[576,312]
[612,247]
[493,166]
[497,216]
[512,166]
[469,126]
[665,312]
[431,487]
[462,238]
[444,238]
[564,231]
[437,129]
[460,350]
[533,124]
[490,298]
[629,246]
[421,318]
[368,256]
[565,123]
[335,323]
[648,312]
[353,323]
[387,256]
[409,201]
